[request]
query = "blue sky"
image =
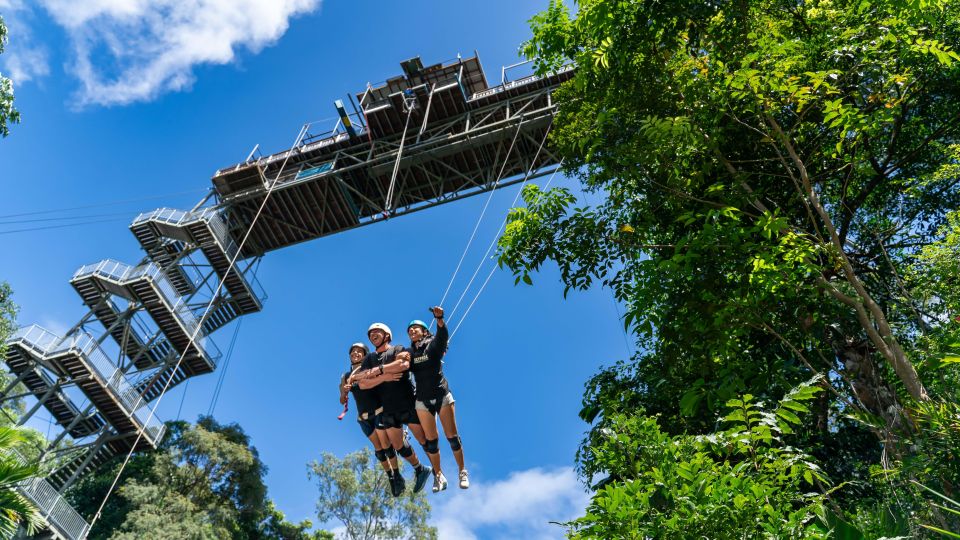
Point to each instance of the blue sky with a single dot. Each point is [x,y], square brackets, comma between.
[122,101]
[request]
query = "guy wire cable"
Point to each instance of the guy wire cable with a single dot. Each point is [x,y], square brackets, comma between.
[199,327]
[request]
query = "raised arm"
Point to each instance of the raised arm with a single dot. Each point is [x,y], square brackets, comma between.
[438,345]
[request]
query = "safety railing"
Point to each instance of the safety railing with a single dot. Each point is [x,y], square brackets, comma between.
[54,508]
[509,85]
[35,338]
[211,215]
[230,247]
[87,348]
[165,215]
[122,274]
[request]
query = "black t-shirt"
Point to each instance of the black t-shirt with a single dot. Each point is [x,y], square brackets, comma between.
[367,400]
[426,363]
[396,396]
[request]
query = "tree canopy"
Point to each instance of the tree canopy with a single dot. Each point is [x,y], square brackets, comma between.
[205,481]
[354,491]
[777,180]
[8,113]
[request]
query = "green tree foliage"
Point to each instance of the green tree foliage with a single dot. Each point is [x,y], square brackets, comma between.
[8,114]
[742,482]
[206,481]
[355,492]
[776,180]
[15,510]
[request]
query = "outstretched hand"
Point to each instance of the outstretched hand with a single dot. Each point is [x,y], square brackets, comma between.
[437,312]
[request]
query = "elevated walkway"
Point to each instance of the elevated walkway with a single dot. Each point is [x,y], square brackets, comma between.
[205,229]
[148,285]
[79,356]
[459,139]
[22,353]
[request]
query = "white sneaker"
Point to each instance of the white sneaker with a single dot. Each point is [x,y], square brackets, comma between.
[464,479]
[439,482]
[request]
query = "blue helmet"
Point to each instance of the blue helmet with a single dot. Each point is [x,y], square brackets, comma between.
[417,322]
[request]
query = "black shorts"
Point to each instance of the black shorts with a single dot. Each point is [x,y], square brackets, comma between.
[398,419]
[369,423]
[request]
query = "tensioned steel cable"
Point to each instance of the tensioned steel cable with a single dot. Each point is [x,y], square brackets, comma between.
[101,205]
[64,226]
[504,222]
[494,269]
[482,213]
[199,327]
[223,374]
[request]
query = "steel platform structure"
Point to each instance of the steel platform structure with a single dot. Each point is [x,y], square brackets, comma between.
[432,135]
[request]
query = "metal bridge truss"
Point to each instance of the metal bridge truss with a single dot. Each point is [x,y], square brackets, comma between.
[433,135]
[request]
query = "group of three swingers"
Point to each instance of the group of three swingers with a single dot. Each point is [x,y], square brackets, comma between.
[395,386]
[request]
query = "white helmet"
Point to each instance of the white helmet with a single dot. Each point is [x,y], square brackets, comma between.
[380,326]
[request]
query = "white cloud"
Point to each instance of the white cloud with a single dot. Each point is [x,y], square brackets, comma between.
[126,51]
[521,506]
[22,60]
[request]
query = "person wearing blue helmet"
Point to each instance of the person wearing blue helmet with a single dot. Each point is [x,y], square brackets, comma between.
[433,395]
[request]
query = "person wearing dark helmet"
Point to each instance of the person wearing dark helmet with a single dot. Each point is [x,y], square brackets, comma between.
[433,395]
[368,411]
[396,397]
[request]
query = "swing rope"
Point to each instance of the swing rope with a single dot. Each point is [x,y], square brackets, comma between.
[494,269]
[198,328]
[480,219]
[503,224]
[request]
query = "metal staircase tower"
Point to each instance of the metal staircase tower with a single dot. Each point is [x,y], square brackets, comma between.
[432,135]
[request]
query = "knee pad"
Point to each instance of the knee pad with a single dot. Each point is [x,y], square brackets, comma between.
[431,446]
[390,452]
[454,442]
[406,451]
[381,455]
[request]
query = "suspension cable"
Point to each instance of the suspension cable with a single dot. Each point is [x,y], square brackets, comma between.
[504,222]
[492,270]
[198,328]
[409,102]
[480,219]
[226,365]
[101,205]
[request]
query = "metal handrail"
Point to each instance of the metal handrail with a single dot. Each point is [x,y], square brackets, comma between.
[212,217]
[523,81]
[230,247]
[55,509]
[123,273]
[85,346]
[36,338]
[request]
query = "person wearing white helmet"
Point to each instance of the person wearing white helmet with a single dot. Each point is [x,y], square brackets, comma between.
[369,408]
[433,395]
[396,397]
